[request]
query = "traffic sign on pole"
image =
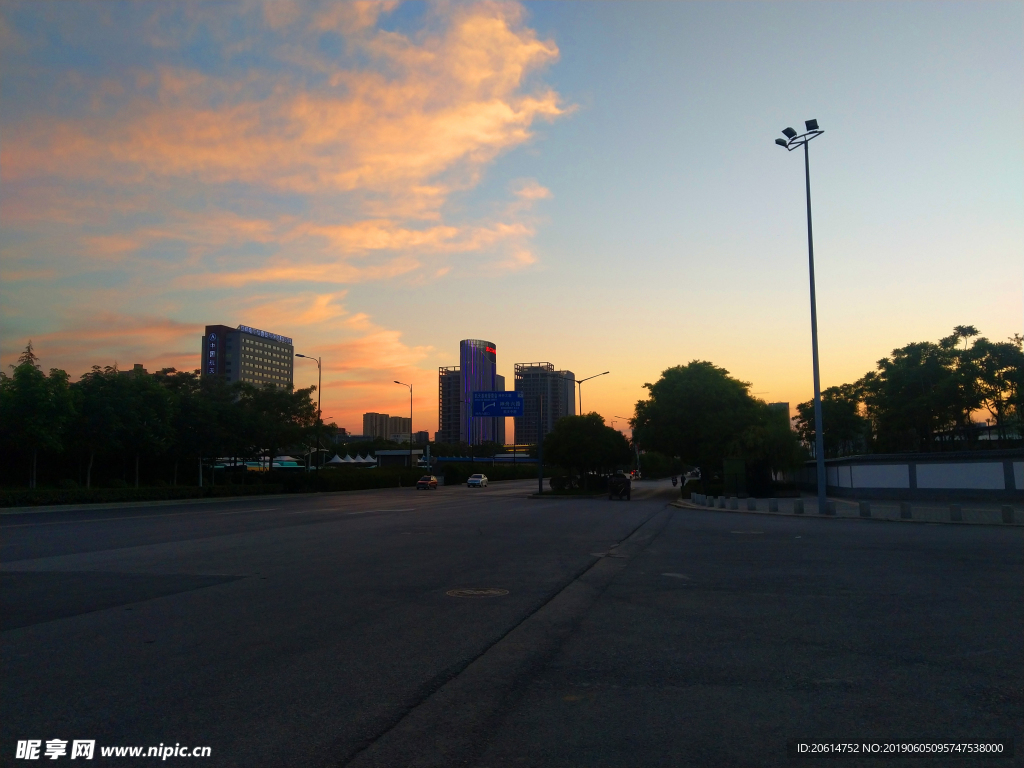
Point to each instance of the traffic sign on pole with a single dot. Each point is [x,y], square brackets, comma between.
[497,404]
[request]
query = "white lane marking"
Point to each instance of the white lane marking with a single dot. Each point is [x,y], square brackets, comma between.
[127,517]
[371,511]
[676,576]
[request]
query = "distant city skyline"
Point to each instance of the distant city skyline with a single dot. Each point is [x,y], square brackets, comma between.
[591,184]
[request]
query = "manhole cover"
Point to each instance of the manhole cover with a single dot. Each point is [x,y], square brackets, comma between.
[489,592]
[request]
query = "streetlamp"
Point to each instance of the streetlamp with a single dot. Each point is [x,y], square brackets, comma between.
[791,142]
[410,420]
[580,385]
[319,379]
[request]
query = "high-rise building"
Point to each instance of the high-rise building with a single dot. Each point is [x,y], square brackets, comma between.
[478,360]
[781,409]
[449,409]
[375,425]
[541,383]
[455,387]
[247,354]
[399,425]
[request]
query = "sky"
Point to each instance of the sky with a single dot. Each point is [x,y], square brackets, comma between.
[589,184]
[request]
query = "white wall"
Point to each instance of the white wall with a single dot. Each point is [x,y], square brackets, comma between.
[881,476]
[973,475]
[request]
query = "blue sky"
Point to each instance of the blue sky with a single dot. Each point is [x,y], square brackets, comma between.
[593,184]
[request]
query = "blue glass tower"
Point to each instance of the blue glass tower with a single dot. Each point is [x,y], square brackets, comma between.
[477,369]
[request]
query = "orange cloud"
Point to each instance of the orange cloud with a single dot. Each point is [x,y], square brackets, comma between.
[109,338]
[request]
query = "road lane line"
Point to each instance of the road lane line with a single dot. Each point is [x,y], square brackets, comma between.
[129,517]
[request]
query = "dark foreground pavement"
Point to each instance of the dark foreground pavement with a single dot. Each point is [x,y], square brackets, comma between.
[317,631]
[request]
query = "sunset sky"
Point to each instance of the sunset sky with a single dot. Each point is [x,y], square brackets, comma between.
[590,184]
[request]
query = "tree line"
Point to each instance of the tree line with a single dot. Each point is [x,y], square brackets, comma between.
[925,397]
[166,421]
[704,416]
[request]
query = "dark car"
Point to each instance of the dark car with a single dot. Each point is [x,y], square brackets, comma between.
[426,483]
[619,486]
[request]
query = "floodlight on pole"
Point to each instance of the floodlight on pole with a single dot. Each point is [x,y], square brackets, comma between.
[410,419]
[794,141]
[319,380]
[579,383]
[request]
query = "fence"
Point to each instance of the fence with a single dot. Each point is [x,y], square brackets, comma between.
[968,475]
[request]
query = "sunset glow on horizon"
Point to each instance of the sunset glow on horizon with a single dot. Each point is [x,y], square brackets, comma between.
[593,185]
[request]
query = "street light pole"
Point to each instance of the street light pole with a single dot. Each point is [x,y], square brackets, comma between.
[580,385]
[319,381]
[410,421]
[791,142]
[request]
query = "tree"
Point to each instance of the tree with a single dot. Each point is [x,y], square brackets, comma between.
[34,408]
[275,417]
[1000,382]
[696,411]
[846,431]
[97,425]
[145,423]
[768,446]
[583,444]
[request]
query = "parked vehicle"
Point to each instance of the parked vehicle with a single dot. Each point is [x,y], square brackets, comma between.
[619,485]
[426,483]
[477,481]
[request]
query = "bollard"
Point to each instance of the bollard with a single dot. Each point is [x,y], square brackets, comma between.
[773,505]
[1007,511]
[865,509]
[734,503]
[798,507]
[956,514]
[709,501]
[905,513]
[751,505]
[721,502]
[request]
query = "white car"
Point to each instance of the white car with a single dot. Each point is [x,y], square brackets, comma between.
[477,481]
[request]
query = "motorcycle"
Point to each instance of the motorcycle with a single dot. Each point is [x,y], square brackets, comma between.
[675,481]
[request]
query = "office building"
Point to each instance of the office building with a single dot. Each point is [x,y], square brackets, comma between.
[477,369]
[247,354]
[455,387]
[421,438]
[478,360]
[541,384]
[375,425]
[449,410]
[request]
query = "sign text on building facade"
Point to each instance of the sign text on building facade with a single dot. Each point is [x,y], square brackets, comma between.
[264,334]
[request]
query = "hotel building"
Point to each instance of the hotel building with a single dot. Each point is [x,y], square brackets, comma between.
[247,354]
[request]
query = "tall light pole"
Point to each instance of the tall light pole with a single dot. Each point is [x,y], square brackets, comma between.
[319,380]
[410,420]
[580,385]
[791,142]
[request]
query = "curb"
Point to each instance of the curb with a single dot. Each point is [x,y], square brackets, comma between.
[815,516]
[566,496]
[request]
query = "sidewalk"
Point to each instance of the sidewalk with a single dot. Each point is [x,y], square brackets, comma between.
[976,513]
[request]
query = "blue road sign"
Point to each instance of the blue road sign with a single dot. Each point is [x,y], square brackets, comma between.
[497,404]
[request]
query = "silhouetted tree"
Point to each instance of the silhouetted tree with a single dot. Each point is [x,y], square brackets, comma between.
[34,408]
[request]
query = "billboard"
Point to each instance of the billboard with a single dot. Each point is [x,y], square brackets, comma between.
[497,404]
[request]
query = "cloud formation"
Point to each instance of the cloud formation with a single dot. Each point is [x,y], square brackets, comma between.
[259,161]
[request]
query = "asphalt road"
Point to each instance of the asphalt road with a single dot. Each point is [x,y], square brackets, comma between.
[317,630]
